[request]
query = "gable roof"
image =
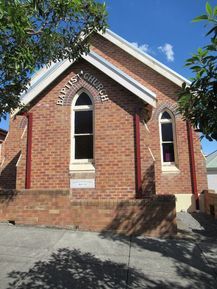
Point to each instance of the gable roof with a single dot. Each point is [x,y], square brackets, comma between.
[47,75]
[211,161]
[145,58]
[121,77]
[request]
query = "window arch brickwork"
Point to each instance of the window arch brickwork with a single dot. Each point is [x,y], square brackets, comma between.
[166,106]
[81,84]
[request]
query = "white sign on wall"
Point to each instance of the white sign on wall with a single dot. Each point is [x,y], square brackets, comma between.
[82,183]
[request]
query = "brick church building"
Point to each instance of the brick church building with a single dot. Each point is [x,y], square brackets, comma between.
[98,136]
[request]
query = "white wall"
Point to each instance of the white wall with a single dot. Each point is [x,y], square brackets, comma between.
[212,180]
[187,203]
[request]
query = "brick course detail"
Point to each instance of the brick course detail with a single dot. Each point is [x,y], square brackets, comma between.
[114,145]
[211,203]
[152,216]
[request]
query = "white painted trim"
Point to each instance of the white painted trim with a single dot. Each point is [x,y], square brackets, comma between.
[6,136]
[171,169]
[168,166]
[85,167]
[146,127]
[25,128]
[42,80]
[203,155]
[80,164]
[47,75]
[150,151]
[2,162]
[145,58]
[19,159]
[83,107]
[122,78]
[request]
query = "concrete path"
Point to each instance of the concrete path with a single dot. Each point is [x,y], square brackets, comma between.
[37,258]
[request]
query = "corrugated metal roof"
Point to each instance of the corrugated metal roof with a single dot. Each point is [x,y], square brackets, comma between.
[211,160]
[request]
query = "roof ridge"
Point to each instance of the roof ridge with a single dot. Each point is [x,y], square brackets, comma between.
[211,160]
[215,151]
[47,75]
[145,57]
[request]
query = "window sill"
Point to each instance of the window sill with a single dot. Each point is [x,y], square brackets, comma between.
[170,169]
[81,166]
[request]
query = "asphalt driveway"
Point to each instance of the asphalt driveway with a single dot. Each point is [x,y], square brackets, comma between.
[37,258]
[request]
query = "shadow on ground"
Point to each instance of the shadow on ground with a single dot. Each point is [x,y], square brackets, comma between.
[190,266]
[67,269]
[208,225]
[72,269]
[152,263]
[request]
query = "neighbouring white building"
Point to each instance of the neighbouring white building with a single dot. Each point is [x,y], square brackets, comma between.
[211,166]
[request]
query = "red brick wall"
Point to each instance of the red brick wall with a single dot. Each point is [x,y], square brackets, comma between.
[114,160]
[211,203]
[166,93]
[153,216]
[12,148]
[114,136]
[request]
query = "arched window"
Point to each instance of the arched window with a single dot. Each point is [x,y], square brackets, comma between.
[168,138]
[82,128]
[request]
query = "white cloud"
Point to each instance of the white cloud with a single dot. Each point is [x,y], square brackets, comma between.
[167,49]
[144,47]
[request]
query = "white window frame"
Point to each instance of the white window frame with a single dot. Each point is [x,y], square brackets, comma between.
[168,166]
[80,164]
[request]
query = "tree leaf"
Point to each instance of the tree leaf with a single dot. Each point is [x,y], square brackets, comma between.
[200,107]
[208,8]
[211,30]
[35,33]
[199,18]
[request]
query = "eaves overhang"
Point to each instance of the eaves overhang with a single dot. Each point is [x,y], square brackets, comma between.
[48,74]
[145,58]
[121,77]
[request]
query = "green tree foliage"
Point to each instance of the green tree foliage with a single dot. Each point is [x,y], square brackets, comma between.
[34,33]
[198,102]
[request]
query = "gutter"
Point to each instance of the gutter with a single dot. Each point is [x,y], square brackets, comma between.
[192,166]
[137,156]
[29,151]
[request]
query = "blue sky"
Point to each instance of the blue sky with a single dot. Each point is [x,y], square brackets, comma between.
[162,28]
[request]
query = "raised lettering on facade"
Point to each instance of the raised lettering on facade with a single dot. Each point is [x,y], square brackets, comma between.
[90,79]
